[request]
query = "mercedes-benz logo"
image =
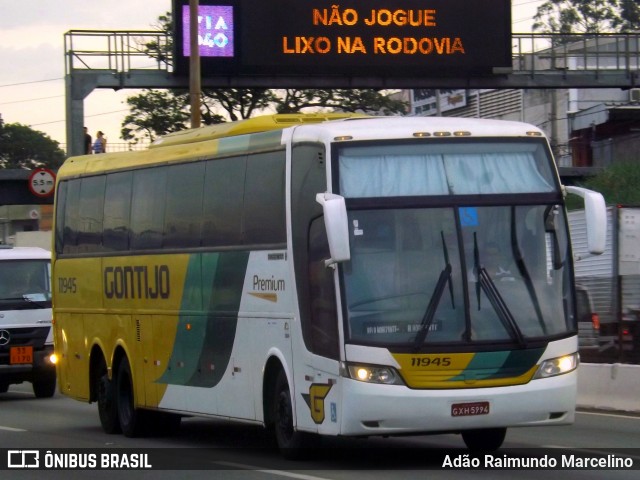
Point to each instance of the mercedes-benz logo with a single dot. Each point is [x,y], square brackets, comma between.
[4,337]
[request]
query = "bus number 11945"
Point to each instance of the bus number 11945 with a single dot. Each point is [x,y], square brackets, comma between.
[430,361]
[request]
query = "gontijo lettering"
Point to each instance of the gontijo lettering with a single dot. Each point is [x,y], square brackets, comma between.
[139,281]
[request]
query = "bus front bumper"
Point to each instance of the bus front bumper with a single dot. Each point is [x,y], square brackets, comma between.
[374,409]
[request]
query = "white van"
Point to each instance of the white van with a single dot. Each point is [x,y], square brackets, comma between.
[26,340]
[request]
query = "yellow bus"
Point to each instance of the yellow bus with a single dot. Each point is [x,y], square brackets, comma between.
[323,275]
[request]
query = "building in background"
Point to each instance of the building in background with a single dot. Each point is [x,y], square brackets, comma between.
[587,127]
[26,225]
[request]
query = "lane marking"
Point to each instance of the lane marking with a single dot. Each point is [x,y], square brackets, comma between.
[281,473]
[11,429]
[604,414]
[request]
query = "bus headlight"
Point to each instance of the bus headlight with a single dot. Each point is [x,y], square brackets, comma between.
[557,366]
[374,374]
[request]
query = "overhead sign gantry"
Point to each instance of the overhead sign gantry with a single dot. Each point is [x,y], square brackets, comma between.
[384,38]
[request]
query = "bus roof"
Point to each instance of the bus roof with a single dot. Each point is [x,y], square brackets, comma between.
[8,252]
[375,128]
[250,125]
[231,138]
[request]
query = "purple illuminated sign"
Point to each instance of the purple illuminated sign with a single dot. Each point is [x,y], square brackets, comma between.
[215,31]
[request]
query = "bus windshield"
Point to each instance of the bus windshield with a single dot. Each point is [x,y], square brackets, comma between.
[454,273]
[25,284]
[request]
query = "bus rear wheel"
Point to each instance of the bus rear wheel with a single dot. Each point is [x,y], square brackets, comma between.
[106,399]
[487,440]
[132,420]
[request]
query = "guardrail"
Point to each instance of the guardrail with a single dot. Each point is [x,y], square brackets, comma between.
[117,50]
[606,52]
[609,387]
[533,53]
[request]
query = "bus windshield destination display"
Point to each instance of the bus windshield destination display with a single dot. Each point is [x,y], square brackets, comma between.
[320,37]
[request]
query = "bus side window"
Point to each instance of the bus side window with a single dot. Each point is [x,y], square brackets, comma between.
[324,317]
[147,208]
[264,204]
[183,208]
[71,225]
[223,202]
[117,205]
[91,213]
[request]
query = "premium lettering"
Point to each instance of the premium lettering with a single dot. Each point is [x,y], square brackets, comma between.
[137,282]
[268,284]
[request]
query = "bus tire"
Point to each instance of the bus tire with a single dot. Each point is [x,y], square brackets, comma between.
[44,385]
[484,440]
[106,400]
[132,420]
[292,444]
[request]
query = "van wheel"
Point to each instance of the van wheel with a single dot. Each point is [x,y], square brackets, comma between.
[293,445]
[132,420]
[106,399]
[44,385]
[484,440]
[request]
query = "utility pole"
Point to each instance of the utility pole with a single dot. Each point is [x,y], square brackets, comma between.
[194,65]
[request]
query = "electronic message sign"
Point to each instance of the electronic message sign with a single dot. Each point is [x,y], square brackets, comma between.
[387,38]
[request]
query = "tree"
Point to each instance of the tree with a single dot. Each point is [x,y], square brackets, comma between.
[23,147]
[630,15]
[587,16]
[618,184]
[345,100]
[155,112]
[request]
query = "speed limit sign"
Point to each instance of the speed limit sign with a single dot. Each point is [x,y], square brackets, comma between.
[42,181]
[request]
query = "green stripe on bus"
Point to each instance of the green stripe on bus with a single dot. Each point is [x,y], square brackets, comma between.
[495,365]
[201,353]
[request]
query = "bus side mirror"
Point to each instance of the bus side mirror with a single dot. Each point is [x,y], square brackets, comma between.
[337,226]
[595,211]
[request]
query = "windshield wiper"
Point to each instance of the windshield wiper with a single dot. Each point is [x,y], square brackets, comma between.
[524,272]
[430,313]
[485,283]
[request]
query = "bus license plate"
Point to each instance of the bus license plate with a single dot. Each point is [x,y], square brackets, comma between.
[468,409]
[20,355]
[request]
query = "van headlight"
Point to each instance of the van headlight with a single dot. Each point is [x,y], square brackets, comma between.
[557,366]
[374,374]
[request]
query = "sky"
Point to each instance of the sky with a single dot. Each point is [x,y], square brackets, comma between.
[32,57]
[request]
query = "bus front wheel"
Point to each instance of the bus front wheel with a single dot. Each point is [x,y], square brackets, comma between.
[293,444]
[488,439]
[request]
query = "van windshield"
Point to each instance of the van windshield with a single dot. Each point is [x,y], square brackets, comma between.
[25,284]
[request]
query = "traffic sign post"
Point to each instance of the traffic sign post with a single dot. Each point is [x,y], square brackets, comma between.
[42,182]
